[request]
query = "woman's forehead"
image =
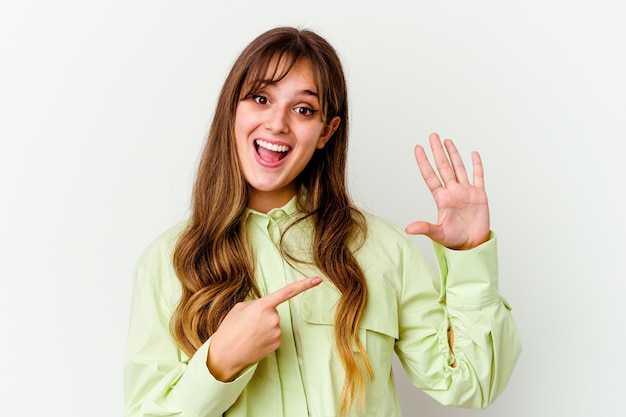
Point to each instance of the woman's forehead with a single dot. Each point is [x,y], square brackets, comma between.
[279,66]
[275,69]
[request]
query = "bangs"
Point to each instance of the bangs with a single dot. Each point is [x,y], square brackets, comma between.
[268,70]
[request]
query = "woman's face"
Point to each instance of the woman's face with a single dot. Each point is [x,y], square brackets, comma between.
[277,130]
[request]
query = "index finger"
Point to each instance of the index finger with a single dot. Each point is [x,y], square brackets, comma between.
[428,173]
[290,291]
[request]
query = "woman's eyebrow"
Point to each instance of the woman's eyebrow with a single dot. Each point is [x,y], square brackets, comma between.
[301,92]
[307,92]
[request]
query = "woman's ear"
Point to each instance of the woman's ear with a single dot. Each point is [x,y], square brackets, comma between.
[328,131]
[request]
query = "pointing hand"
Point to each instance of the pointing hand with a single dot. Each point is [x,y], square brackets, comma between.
[250,331]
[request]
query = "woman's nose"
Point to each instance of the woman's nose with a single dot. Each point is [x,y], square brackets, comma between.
[277,120]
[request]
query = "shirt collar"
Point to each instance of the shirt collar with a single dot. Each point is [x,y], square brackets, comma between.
[288,211]
[276,213]
[282,216]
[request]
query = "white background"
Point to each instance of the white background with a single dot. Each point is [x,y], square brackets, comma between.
[104,106]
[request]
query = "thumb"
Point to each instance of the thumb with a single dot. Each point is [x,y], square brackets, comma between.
[420,228]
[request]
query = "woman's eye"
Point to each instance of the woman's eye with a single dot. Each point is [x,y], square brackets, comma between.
[305,111]
[259,99]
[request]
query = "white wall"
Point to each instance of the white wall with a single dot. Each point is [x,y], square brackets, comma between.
[104,106]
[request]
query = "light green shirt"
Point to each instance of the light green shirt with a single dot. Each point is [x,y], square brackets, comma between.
[408,311]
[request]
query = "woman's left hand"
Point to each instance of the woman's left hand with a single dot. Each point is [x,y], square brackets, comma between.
[462,208]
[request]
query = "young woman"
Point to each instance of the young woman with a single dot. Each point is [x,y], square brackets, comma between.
[278,297]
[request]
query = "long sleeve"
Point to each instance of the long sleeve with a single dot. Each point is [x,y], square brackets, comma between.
[486,343]
[159,380]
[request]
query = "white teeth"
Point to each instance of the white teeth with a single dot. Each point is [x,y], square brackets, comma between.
[271,146]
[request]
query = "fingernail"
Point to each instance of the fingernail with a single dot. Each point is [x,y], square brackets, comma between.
[316,280]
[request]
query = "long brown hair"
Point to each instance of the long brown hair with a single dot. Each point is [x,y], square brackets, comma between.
[212,258]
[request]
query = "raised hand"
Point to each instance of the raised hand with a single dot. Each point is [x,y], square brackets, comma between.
[250,331]
[462,209]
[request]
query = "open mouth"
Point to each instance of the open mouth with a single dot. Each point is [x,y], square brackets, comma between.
[270,152]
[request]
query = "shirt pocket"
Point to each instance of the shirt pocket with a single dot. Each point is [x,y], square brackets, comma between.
[378,332]
[379,324]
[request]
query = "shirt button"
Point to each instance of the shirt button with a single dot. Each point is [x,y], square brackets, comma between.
[278,214]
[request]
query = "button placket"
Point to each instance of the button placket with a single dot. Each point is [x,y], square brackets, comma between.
[275,226]
[287,356]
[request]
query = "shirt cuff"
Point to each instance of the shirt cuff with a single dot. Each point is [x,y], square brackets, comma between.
[201,394]
[469,278]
